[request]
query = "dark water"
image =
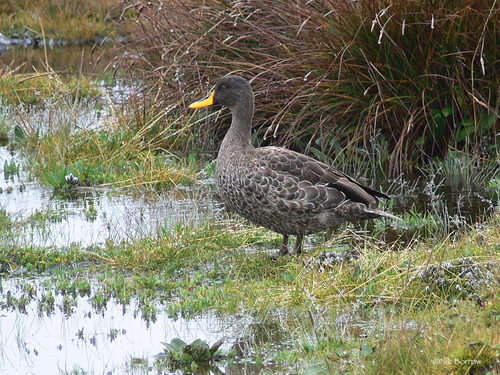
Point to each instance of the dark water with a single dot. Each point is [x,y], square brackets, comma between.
[72,59]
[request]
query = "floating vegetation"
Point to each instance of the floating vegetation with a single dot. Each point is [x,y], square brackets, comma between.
[4,138]
[182,355]
[10,169]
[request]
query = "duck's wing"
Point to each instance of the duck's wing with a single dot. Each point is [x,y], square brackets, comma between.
[295,177]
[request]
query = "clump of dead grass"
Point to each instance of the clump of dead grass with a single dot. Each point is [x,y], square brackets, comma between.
[391,84]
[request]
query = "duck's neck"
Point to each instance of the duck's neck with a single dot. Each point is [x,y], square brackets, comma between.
[240,131]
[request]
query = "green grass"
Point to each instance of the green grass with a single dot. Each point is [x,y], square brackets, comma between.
[40,87]
[117,159]
[460,169]
[61,21]
[385,311]
[125,150]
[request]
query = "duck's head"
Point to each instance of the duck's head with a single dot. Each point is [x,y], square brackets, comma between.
[231,91]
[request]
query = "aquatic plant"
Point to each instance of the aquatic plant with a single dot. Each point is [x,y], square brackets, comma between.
[459,278]
[181,354]
[382,307]
[10,169]
[62,177]
[461,170]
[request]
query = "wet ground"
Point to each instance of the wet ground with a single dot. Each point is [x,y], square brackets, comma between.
[71,59]
[117,340]
[93,216]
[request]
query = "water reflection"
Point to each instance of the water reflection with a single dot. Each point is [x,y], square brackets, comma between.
[71,59]
[97,343]
[93,216]
[115,339]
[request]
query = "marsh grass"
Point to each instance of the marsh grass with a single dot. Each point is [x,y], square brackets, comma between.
[461,170]
[378,83]
[70,125]
[38,88]
[111,156]
[387,310]
[60,21]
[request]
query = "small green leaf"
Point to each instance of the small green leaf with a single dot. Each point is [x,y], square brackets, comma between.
[175,345]
[366,350]
[440,128]
[488,122]
[200,351]
[318,154]
[447,111]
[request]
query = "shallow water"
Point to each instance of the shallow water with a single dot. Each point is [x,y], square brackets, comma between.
[98,343]
[71,59]
[93,216]
[107,341]
[113,340]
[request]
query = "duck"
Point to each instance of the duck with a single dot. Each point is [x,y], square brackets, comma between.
[283,190]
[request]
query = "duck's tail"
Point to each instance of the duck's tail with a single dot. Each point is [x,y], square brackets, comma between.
[381,213]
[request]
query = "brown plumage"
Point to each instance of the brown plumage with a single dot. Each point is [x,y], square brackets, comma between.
[285,191]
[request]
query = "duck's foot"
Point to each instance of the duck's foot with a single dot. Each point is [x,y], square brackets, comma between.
[284,247]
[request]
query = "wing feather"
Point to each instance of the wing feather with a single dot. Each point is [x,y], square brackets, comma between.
[311,183]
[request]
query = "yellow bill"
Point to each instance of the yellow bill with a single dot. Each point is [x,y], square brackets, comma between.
[209,100]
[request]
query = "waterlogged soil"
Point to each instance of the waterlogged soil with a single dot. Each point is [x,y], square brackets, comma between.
[72,337]
[71,59]
[117,339]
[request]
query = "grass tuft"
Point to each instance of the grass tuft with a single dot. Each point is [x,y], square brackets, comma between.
[70,140]
[377,83]
[59,21]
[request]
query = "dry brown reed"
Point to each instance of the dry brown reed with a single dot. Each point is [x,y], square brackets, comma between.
[377,83]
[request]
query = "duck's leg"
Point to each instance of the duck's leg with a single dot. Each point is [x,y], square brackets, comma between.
[284,245]
[298,244]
